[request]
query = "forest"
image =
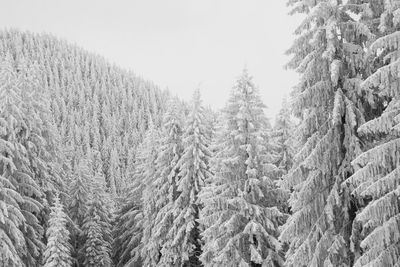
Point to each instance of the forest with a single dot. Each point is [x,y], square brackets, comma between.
[100,167]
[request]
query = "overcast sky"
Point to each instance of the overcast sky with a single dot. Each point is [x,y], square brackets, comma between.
[179,44]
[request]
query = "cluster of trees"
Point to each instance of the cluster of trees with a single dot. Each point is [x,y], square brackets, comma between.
[201,196]
[69,126]
[94,105]
[101,168]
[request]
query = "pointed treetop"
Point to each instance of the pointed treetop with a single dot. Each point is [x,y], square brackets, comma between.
[196,99]
[244,84]
[150,122]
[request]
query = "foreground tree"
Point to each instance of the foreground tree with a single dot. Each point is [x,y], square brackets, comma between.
[58,248]
[329,54]
[183,246]
[376,183]
[239,217]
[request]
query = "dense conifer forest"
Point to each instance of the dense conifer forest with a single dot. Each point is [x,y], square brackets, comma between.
[99,167]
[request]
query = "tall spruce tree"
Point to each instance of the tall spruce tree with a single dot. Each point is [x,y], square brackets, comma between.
[329,55]
[283,139]
[58,248]
[239,217]
[183,245]
[114,170]
[78,207]
[96,226]
[128,242]
[162,192]
[376,184]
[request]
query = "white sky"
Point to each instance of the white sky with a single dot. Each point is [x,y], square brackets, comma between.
[179,44]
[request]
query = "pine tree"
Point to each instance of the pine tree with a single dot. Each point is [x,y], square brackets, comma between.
[162,192]
[96,226]
[78,207]
[96,250]
[183,246]
[283,139]
[58,248]
[239,217]
[375,184]
[114,172]
[329,55]
[128,243]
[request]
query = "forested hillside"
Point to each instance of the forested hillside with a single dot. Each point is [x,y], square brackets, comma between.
[69,120]
[94,104]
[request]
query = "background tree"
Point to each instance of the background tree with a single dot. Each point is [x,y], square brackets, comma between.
[130,225]
[78,208]
[58,248]
[159,196]
[96,226]
[183,245]
[283,139]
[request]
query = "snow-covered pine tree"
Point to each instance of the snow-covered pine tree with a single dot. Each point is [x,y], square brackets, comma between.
[329,55]
[240,220]
[58,248]
[114,172]
[96,249]
[159,196]
[283,139]
[128,231]
[376,182]
[78,207]
[183,246]
[96,225]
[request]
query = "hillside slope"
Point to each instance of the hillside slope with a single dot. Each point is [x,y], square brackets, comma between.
[95,105]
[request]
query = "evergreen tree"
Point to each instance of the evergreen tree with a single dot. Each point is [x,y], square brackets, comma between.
[96,250]
[58,248]
[329,55]
[375,184]
[183,246]
[128,234]
[96,226]
[114,172]
[239,217]
[283,139]
[162,192]
[78,207]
